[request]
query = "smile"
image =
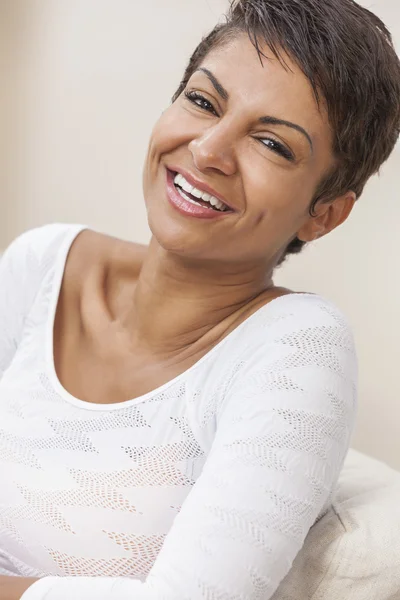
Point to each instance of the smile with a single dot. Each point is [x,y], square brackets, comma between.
[194,200]
[192,194]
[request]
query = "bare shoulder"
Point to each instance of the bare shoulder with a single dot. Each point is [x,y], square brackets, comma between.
[94,252]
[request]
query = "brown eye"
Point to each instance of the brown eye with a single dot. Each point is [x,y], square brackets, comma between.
[201,102]
[278,148]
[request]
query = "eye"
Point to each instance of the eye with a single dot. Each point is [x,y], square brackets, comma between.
[278,148]
[199,100]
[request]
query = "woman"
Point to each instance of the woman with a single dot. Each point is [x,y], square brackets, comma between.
[172,424]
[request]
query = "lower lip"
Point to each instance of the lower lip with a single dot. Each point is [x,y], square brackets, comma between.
[187,208]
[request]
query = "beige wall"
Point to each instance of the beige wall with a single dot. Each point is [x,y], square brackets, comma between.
[96,74]
[89,79]
[9,30]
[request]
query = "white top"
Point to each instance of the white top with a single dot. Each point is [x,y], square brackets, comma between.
[204,488]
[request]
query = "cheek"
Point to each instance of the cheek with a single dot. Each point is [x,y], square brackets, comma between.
[278,201]
[160,143]
[274,191]
[170,131]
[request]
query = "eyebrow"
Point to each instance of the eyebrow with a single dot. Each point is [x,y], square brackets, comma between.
[275,121]
[218,87]
[265,120]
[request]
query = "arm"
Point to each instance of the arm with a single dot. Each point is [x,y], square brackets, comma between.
[281,439]
[17,268]
[23,267]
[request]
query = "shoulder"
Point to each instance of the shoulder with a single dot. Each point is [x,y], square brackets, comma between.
[24,267]
[296,358]
[78,247]
[294,313]
[317,331]
[303,335]
[312,327]
[30,256]
[39,245]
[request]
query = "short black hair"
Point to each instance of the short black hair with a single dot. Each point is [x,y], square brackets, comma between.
[347,54]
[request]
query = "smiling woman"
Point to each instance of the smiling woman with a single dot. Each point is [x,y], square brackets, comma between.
[172,423]
[259,162]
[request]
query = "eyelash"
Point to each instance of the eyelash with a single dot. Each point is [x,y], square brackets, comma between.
[200,101]
[196,98]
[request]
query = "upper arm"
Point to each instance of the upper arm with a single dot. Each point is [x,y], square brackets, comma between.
[282,437]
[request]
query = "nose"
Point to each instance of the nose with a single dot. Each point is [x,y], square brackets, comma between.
[213,149]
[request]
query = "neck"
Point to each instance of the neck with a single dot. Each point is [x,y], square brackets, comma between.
[178,301]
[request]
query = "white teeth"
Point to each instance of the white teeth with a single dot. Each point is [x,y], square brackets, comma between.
[185,185]
[182,193]
[178,179]
[197,193]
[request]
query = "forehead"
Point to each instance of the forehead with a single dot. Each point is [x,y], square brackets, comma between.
[266,86]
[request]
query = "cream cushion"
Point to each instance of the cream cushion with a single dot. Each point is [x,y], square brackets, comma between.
[353,552]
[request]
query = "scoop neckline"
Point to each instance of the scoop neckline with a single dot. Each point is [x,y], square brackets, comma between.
[58,277]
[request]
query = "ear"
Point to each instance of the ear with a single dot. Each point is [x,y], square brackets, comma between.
[328,216]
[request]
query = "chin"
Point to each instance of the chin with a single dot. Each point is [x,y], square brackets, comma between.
[171,235]
[180,238]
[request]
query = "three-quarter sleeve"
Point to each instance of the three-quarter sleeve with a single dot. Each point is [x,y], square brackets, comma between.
[283,431]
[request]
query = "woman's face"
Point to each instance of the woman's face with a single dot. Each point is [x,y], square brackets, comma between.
[249,134]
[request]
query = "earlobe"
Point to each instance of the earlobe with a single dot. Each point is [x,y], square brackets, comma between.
[311,233]
[316,226]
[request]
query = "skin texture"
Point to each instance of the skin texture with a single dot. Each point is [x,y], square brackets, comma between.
[130,318]
[12,588]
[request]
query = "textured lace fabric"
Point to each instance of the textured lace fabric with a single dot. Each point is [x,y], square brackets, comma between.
[203,489]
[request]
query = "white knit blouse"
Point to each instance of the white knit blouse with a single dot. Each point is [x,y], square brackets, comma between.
[204,488]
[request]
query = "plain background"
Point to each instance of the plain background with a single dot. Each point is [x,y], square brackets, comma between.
[82,83]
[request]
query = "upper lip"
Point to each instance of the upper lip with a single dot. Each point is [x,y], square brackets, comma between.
[200,185]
